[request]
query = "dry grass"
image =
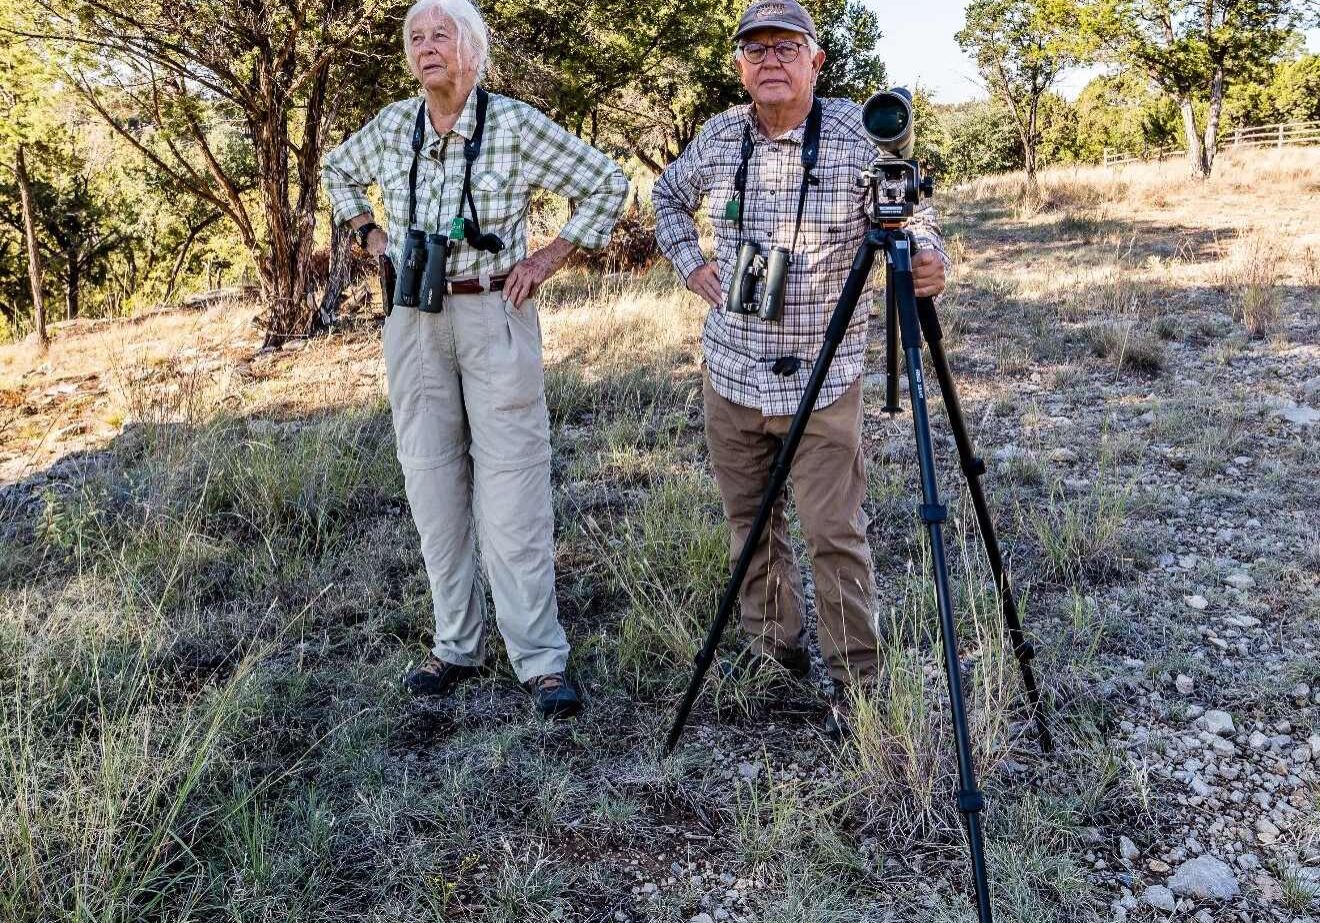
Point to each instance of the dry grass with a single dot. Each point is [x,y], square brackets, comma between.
[1137,187]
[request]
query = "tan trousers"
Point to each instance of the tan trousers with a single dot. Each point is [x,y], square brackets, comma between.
[467,394]
[828,480]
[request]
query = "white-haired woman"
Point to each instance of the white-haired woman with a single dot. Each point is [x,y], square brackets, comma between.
[466,385]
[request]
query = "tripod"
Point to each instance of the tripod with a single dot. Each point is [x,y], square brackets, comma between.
[906,316]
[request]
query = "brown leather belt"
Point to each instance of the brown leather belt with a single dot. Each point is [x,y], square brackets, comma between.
[473,286]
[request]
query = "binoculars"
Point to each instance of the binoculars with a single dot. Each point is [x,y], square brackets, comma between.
[420,279]
[753,266]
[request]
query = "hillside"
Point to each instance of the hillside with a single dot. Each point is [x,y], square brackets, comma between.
[210,589]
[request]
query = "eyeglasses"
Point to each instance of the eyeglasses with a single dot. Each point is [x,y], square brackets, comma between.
[786,51]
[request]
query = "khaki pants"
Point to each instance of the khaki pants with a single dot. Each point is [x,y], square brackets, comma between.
[829,484]
[467,394]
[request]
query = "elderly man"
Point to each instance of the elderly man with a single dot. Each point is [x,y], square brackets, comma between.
[466,385]
[748,164]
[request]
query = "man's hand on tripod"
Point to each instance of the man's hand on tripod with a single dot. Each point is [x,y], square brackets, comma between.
[927,273]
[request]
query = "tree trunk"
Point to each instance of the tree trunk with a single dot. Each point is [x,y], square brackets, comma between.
[1195,154]
[1029,148]
[34,253]
[181,258]
[286,264]
[72,279]
[1212,118]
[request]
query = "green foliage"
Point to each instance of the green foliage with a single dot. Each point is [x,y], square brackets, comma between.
[1123,112]
[1021,47]
[648,76]
[978,138]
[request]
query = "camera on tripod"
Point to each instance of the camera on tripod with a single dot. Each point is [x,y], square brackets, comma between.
[895,183]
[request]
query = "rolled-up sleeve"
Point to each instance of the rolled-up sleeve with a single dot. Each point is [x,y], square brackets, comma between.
[349,169]
[676,196]
[560,162]
[925,228]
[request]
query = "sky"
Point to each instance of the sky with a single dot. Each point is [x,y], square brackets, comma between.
[918,48]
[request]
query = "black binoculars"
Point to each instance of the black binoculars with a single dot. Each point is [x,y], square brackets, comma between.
[420,281]
[750,267]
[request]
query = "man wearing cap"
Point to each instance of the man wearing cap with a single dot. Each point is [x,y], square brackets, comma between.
[756,370]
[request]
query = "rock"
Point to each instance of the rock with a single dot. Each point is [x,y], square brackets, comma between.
[1298,414]
[1266,832]
[1063,456]
[1127,849]
[1204,878]
[749,771]
[702,918]
[1199,787]
[1240,620]
[1301,692]
[1184,684]
[1160,897]
[1258,741]
[1217,722]
[1314,743]
[1240,581]
[1197,602]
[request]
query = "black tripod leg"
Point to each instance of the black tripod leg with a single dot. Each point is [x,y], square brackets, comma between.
[970,800]
[973,467]
[843,312]
[891,344]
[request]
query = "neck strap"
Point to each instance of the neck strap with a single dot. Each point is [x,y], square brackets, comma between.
[810,153]
[471,150]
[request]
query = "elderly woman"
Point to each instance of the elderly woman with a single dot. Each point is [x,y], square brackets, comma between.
[466,386]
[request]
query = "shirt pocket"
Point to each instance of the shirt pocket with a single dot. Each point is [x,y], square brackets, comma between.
[499,196]
[838,212]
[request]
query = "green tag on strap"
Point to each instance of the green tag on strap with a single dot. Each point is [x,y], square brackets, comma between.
[732,209]
[456,228]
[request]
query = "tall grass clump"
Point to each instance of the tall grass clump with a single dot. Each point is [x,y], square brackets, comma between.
[1250,275]
[669,561]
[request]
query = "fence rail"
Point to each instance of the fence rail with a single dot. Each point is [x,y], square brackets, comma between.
[1281,135]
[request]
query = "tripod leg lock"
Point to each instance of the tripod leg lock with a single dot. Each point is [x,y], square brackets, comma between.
[934,513]
[972,802]
[975,467]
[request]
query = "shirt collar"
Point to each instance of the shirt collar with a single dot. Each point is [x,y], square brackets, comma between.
[466,125]
[794,134]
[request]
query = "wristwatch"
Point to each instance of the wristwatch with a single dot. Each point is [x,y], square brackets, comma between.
[363,232]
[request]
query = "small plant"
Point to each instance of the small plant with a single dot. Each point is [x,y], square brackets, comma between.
[1084,538]
[1127,347]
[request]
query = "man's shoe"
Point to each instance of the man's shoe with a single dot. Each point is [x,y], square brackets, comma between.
[436,677]
[554,695]
[746,663]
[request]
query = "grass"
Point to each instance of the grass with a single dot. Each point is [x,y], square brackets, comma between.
[1083,538]
[1127,347]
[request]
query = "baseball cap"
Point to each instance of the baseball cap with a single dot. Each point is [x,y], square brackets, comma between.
[775,14]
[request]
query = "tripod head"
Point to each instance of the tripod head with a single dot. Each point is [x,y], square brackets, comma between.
[894,181]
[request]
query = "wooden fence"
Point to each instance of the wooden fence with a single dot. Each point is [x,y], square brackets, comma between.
[1287,133]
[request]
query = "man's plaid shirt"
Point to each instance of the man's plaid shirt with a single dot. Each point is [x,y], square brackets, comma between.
[740,349]
[520,148]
